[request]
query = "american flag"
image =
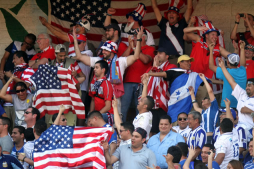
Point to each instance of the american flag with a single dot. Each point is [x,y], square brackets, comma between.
[65,12]
[71,147]
[54,87]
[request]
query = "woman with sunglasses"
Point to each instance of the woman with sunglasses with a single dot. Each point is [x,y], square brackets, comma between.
[21,101]
[59,118]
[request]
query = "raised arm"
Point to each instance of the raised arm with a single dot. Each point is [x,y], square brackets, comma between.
[145,83]
[242,53]
[228,111]
[4,59]
[192,153]
[234,31]
[57,32]
[110,12]
[117,118]
[194,102]
[61,110]
[110,159]
[132,58]
[229,78]
[35,63]
[224,52]
[188,12]
[3,95]
[246,19]
[83,58]
[211,60]
[208,87]
[210,160]
[190,35]
[156,11]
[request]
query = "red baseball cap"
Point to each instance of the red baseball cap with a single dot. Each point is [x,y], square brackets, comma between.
[81,37]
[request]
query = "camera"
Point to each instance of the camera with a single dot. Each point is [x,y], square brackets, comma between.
[241,15]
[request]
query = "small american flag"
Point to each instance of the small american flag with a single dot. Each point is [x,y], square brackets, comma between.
[54,87]
[71,147]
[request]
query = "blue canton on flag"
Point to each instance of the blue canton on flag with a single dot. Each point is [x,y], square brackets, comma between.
[73,10]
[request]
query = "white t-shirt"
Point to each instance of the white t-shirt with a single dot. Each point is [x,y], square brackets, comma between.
[144,120]
[122,63]
[225,144]
[28,149]
[244,101]
[185,132]
[86,70]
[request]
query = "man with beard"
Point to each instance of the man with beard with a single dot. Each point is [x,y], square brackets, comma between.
[113,33]
[82,27]
[134,21]
[245,98]
[172,26]
[117,65]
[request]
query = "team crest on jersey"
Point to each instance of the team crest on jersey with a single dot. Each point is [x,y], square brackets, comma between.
[5,165]
[193,138]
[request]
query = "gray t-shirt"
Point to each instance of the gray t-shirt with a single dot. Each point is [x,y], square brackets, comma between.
[6,143]
[138,160]
[20,106]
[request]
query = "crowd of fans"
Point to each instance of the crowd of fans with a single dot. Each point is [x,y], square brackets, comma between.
[191,112]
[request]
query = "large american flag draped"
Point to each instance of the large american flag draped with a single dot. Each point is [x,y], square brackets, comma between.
[65,12]
[71,147]
[56,86]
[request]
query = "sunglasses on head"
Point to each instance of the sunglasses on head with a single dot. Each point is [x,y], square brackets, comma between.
[22,90]
[180,119]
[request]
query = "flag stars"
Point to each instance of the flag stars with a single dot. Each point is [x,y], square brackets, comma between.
[94,12]
[67,4]
[77,15]
[73,0]
[78,6]
[94,3]
[54,3]
[178,93]
[99,18]
[62,6]
[93,22]
[58,1]
[72,18]
[89,7]
[88,16]
[58,9]
[62,15]
[83,2]
[105,4]
[72,9]
[99,8]
[83,11]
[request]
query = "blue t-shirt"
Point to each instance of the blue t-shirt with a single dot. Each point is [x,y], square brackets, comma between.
[2,111]
[14,151]
[210,117]
[215,165]
[240,77]
[191,166]
[177,30]
[113,138]
[10,162]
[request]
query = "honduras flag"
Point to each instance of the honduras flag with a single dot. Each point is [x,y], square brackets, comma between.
[180,99]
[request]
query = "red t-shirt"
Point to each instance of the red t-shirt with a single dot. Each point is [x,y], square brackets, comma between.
[121,49]
[48,53]
[105,92]
[138,68]
[250,68]
[247,36]
[201,54]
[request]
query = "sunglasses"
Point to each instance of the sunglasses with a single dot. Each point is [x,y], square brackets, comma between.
[26,112]
[64,120]
[22,90]
[180,119]
[79,42]
[121,131]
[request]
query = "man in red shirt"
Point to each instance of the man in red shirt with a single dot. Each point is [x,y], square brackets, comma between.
[134,72]
[101,92]
[47,52]
[246,36]
[249,52]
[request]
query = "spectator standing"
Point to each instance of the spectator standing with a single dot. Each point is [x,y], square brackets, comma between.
[249,53]
[165,138]
[197,136]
